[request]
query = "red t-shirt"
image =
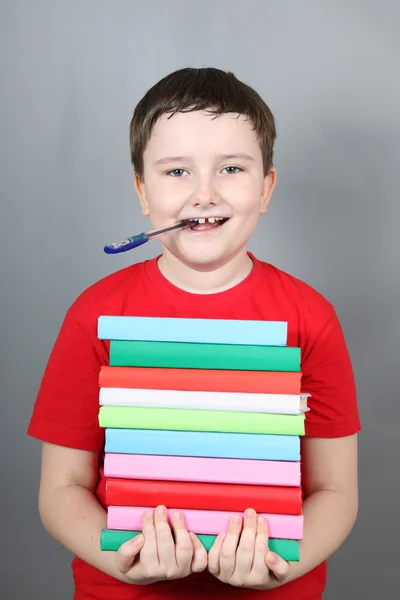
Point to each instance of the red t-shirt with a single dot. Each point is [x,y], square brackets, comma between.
[67,405]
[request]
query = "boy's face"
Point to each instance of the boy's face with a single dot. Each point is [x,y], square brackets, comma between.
[199,166]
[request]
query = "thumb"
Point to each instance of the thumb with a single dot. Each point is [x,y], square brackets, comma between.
[279,567]
[127,553]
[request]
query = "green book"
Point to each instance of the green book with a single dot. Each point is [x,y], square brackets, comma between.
[187,419]
[111,540]
[186,355]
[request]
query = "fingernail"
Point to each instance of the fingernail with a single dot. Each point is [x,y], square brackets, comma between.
[221,536]
[178,516]
[149,514]
[236,520]
[272,558]
[161,510]
[261,521]
[138,539]
[250,513]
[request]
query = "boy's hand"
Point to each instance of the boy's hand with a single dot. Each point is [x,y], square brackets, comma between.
[155,556]
[248,562]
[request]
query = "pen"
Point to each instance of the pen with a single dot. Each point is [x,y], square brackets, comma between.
[141,238]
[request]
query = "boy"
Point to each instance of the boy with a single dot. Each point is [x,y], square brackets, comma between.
[202,148]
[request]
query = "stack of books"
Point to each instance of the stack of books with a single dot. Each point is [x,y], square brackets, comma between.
[203,416]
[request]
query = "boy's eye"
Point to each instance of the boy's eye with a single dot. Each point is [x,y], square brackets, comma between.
[232,170]
[176,172]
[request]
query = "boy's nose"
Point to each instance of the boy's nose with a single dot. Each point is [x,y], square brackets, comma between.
[204,195]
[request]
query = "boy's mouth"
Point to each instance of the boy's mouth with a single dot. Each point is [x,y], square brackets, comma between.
[206,223]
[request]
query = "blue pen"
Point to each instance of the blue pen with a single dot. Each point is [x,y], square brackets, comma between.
[142,238]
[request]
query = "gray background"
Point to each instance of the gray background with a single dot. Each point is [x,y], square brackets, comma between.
[71,73]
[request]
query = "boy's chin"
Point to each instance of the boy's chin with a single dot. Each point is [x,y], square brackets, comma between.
[204,261]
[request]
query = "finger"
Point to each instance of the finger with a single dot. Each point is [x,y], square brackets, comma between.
[183,543]
[199,557]
[260,570]
[149,554]
[227,559]
[245,551]
[279,567]
[214,554]
[127,552]
[165,541]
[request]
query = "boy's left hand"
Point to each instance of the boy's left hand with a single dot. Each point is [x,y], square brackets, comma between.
[242,558]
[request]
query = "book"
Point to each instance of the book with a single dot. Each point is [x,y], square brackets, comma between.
[111,540]
[204,415]
[206,380]
[204,331]
[202,443]
[205,521]
[182,355]
[211,470]
[230,401]
[207,496]
[139,417]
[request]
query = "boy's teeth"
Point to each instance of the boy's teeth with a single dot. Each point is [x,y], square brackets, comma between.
[202,220]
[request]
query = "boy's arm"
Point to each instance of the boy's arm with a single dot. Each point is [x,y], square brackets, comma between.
[330,481]
[72,515]
[68,508]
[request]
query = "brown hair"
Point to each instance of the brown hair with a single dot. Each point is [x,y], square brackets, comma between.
[189,89]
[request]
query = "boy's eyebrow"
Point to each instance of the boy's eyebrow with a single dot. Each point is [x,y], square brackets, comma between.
[236,155]
[169,159]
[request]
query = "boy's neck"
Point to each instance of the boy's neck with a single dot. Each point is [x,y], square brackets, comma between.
[205,282]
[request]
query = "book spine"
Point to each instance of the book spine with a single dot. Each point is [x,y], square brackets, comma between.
[127,353]
[111,540]
[204,496]
[127,417]
[206,444]
[218,331]
[208,522]
[207,380]
[212,470]
[169,398]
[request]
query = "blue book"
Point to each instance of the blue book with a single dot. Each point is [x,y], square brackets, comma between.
[202,331]
[202,444]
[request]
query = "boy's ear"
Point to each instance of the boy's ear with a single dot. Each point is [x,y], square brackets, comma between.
[141,192]
[268,188]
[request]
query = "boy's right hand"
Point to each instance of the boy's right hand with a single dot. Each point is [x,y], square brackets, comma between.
[161,558]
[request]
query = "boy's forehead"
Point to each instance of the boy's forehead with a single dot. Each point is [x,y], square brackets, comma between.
[196,129]
[200,118]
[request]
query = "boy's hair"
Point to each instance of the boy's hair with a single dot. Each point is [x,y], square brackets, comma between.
[206,89]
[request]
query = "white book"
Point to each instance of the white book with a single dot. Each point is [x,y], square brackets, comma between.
[289,404]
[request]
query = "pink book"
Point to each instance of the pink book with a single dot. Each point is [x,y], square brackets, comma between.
[209,522]
[212,470]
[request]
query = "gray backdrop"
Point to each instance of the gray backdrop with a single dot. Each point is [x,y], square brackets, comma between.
[71,73]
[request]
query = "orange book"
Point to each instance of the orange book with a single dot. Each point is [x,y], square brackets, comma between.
[256,382]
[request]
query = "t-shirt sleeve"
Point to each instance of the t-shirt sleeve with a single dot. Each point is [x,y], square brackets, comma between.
[67,404]
[327,374]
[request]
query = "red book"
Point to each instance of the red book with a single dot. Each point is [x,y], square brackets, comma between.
[204,496]
[203,380]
